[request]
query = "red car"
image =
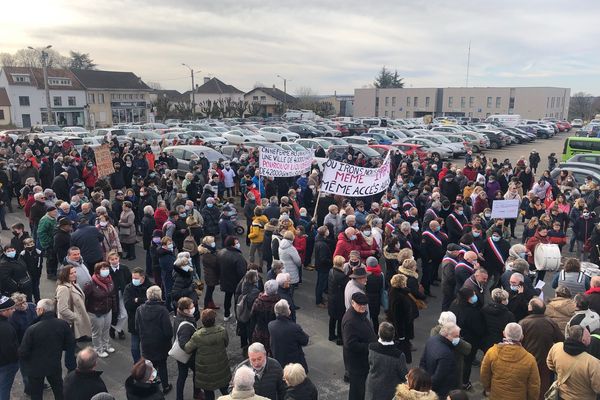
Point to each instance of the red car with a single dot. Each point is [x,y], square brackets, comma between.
[406,148]
[563,126]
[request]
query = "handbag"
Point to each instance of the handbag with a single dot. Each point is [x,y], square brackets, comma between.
[176,351]
[553,393]
[385,301]
[421,305]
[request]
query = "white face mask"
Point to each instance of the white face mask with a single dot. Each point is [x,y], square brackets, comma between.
[192,310]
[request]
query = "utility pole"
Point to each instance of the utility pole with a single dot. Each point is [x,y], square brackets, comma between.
[284,92]
[44,55]
[468,64]
[193,91]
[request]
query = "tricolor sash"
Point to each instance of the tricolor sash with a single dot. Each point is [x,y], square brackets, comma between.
[495,250]
[433,237]
[457,221]
[464,265]
[450,260]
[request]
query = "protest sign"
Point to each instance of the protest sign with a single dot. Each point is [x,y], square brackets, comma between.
[277,163]
[104,160]
[352,181]
[505,208]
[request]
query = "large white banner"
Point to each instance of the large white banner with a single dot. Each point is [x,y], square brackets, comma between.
[279,163]
[505,208]
[352,181]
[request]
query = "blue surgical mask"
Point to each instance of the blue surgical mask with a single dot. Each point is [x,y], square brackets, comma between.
[11,254]
[213,245]
[460,212]
[136,282]
[186,268]
[476,234]
[523,255]
[104,273]
[209,205]
[437,229]
[455,341]
[514,288]
[353,237]
[495,238]
[170,246]
[237,246]
[473,299]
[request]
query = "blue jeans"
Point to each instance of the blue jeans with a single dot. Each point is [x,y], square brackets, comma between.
[322,280]
[7,377]
[135,347]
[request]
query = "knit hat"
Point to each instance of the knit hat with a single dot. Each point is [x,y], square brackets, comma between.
[6,303]
[372,262]
[157,233]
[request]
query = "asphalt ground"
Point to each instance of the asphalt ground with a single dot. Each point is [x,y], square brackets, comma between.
[324,357]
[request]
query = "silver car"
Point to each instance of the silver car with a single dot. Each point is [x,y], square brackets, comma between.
[430,147]
[184,154]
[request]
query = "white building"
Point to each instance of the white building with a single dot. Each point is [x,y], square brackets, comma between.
[214,89]
[25,89]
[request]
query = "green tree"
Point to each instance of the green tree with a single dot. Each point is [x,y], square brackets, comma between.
[79,60]
[388,79]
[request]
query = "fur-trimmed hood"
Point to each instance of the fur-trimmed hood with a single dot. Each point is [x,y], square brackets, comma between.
[408,272]
[404,393]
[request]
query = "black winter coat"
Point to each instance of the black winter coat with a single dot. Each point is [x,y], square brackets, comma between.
[375,286]
[60,186]
[323,254]
[9,342]
[88,239]
[148,226]
[83,385]
[357,333]
[287,339]
[153,324]
[266,246]
[336,305]
[183,285]
[304,391]
[438,360]
[133,297]
[43,344]
[402,313]
[62,242]
[211,220]
[495,316]
[142,390]
[14,276]
[270,384]
[233,268]
[470,321]
[211,269]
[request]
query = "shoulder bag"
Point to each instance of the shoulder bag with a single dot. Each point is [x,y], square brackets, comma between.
[176,351]
[553,393]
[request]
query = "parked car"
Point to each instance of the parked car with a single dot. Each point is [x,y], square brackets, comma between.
[110,133]
[583,158]
[336,141]
[209,137]
[77,130]
[579,164]
[496,141]
[327,130]
[360,140]
[518,138]
[144,135]
[579,174]
[153,125]
[410,149]
[291,146]
[379,137]
[391,133]
[278,134]
[456,148]
[314,143]
[577,123]
[431,147]
[383,149]
[337,152]
[238,136]
[183,154]
[305,131]
[46,129]
[181,137]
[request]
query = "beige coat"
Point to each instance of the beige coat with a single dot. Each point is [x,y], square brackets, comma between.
[560,309]
[127,227]
[242,394]
[70,307]
[584,381]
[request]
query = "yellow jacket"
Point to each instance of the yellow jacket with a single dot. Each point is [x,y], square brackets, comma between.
[509,372]
[257,229]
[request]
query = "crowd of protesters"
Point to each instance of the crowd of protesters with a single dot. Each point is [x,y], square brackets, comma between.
[379,261]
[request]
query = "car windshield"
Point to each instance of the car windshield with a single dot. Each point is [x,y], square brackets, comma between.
[443,139]
[324,144]
[206,134]
[434,139]
[75,129]
[52,128]
[118,132]
[152,135]
[369,152]
[295,146]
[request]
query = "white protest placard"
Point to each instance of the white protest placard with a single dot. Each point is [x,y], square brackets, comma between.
[278,163]
[352,181]
[505,209]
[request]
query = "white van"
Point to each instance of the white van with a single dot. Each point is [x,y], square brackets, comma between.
[299,114]
[510,120]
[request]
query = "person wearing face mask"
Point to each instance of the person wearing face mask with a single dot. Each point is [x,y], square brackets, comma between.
[101,302]
[540,236]
[433,247]
[583,228]
[439,362]
[134,296]
[448,266]
[508,370]
[455,223]
[166,259]
[111,240]
[32,258]
[471,322]
[90,175]
[211,270]
[496,315]
[143,382]
[449,187]
[183,278]
[13,274]
[495,254]
[184,326]
[121,277]
[210,213]
[233,267]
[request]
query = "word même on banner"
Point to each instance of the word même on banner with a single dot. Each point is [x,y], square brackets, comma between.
[352,181]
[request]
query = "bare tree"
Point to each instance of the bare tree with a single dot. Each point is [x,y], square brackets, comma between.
[240,108]
[255,108]
[154,85]
[7,60]
[581,106]
[32,58]
[162,105]
[258,84]
[183,109]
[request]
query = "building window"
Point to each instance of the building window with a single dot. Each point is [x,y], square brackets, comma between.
[91,98]
[131,96]
[408,102]
[100,98]
[393,102]
[24,100]
[142,96]
[392,115]
[426,101]
[59,81]
[72,101]
[20,78]
[552,103]
[387,102]
[263,98]
[416,101]
[450,101]
[113,96]
[471,102]
[498,102]
[489,102]
[386,113]
[57,101]
[558,102]
[463,102]
[2,114]
[255,98]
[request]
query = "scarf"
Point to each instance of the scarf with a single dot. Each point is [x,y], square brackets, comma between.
[102,282]
[593,290]
[376,270]
[408,272]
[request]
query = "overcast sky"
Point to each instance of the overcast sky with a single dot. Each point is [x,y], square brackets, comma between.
[329,45]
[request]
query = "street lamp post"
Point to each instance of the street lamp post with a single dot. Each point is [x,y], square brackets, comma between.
[193,91]
[44,55]
[284,92]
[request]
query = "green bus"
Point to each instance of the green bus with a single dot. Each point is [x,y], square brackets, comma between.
[580,145]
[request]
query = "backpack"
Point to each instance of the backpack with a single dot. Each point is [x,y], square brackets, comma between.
[190,245]
[242,310]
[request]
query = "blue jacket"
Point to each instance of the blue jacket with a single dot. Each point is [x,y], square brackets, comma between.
[438,360]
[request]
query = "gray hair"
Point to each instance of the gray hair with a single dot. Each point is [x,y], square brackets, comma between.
[47,305]
[376,222]
[448,328]
[574,332]
[282,308]
[18,297]
[101,210]
[149,210]
[446,317]
[386,331]
[244,378]
[271,287]
[282,278]
[294,374]
[519,276]
[513,331]
[154,293]
[277,265]
[257,347]
[405,226]
[499,295]
[86,359]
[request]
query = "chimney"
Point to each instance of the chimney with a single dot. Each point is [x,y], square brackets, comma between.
[206,79]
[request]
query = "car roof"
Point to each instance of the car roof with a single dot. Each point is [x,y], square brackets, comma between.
[582,165]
